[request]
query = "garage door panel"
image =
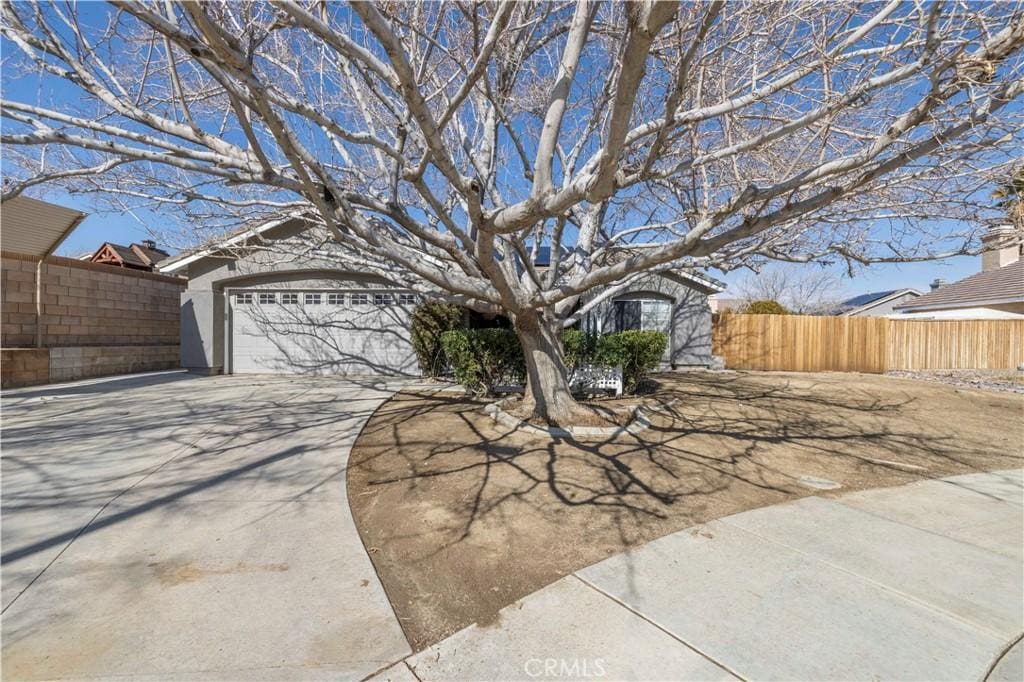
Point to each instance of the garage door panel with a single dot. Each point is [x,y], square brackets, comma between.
[321,339]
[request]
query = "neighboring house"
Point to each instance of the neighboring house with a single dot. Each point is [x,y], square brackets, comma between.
[721,303]
[143,256]
[255,304]
[877,304]
[997,292]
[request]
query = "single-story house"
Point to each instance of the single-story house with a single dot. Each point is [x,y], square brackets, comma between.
[997,292]
[875,304]
[143,256]
[257,302]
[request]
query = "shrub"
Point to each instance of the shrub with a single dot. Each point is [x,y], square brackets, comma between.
[765,308]
[637,352]
[578,347]
[429,322]
[484,358]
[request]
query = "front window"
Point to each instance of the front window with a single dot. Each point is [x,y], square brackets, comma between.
[648,314]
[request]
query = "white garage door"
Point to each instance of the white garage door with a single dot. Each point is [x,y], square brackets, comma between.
[321,332]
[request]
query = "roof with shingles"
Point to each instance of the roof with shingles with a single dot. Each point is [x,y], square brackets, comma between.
[1001,285]
[127,255]
[152,255]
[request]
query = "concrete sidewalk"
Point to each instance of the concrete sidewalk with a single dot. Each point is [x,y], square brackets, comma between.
[919,582]
[172,527]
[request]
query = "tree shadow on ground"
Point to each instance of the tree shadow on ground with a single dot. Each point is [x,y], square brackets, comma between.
[446,495]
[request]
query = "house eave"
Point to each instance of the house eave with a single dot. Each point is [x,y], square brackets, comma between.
[231,241]
[961,304]
[709,283]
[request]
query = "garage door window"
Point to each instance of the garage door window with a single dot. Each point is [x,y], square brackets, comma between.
[267,298]
[312,299]
[360,299]
[335,299]
[290,299]
[382,299]
[245,298]
[406,299]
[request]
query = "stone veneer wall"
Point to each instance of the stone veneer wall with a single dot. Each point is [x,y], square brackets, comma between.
[96,320]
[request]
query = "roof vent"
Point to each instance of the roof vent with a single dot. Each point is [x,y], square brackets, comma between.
[149,243]
[937,284]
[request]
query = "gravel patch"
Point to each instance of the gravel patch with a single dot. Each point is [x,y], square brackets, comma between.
[1006,381]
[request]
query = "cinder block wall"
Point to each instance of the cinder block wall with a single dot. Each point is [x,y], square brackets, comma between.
[24,367]
[67,364]
[96,320]
[85,304]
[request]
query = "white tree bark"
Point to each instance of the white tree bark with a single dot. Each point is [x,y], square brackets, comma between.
[441,144]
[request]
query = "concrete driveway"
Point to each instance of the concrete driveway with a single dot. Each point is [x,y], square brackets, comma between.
[178,527]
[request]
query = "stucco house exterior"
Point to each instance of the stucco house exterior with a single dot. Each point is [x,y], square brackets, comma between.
[254,304]
[672,302]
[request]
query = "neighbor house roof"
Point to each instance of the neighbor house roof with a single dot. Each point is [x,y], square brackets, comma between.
[149,254]
[34,227]
[989,287]
[125,254]
[857,304]
[141,256]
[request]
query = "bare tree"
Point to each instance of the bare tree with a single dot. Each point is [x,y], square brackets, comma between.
[801,289]
[1010,197]
[441,144]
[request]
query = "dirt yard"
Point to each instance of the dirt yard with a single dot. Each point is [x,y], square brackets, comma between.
[462,517]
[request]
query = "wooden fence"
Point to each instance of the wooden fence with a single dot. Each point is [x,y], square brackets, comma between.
[803,343]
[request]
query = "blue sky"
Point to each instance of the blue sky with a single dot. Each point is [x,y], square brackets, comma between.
[124,228]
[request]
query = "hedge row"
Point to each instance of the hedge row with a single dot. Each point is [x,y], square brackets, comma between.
[483,359]
[429,322]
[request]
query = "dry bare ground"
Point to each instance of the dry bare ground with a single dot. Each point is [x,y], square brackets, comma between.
[463,517]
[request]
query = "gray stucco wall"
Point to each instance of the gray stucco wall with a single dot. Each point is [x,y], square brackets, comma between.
[204,309]
[203,305]
[202,330]
[690,332]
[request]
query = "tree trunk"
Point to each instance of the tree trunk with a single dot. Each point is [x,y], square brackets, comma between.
[547,384]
